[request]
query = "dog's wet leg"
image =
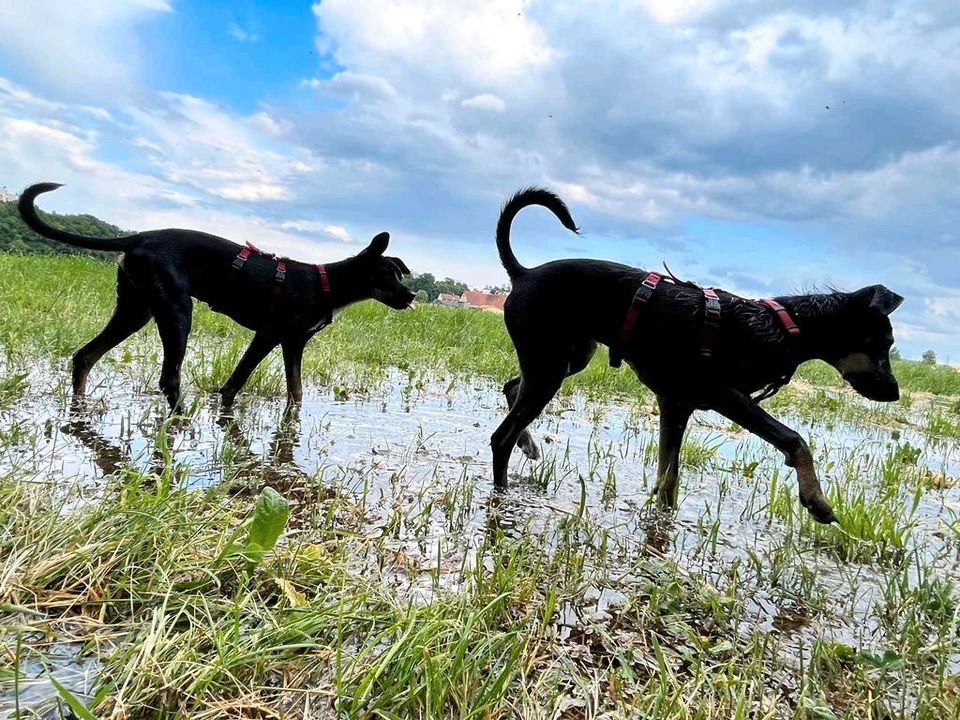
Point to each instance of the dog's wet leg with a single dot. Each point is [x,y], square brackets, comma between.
[531,399]
[748,414]
[174,317]
[292,364]
[130,315]
[673,422]
[259,348]
[525,442]
[579,358]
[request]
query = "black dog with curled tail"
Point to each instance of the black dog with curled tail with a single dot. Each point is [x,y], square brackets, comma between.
[696,348]
[283,301]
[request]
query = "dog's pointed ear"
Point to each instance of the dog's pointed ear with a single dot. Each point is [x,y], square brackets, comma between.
[400,264]
[881,298]
[377,246]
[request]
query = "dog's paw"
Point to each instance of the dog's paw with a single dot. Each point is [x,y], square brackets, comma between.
[819,509]
[527,445]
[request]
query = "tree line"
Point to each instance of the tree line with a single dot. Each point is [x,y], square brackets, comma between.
[16,237]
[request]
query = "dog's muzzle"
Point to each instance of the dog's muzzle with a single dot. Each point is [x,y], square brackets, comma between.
[874,386]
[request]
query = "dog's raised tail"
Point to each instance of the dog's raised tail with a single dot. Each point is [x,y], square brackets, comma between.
[527,196]
[30,216]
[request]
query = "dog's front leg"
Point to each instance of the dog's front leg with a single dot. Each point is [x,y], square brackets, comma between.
[740,408]
[673,422]
[260,347]
[292,363]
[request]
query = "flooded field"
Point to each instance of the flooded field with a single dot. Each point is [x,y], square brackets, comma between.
[402,585]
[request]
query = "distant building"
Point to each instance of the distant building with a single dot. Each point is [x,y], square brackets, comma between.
[474,299]
[451,300]
[6,195]
[484,301]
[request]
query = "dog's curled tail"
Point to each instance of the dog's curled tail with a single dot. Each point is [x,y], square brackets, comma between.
[29,214]
[527,196]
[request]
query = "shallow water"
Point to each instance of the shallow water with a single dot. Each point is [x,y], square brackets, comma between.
[402,443]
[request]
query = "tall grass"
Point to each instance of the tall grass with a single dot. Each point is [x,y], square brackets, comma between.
[52,305]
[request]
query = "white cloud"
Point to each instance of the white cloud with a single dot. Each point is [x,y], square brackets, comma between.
[485,101]
[82,48]
[320,229]
[238,33]
[676,11]
[194,142]
[471,43]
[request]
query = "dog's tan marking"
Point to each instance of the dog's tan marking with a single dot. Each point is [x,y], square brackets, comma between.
[855,363]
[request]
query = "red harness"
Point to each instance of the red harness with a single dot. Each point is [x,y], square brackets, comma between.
[711,317]
[280,274]
[789,325]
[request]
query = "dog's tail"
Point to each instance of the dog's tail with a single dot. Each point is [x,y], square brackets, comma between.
[527,196]
[30,216]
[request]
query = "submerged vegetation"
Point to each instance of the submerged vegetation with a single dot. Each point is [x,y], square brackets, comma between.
[353,561]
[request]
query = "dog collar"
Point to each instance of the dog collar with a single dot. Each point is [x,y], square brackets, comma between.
[788,324]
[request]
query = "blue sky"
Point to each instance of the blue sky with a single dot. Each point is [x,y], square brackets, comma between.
[761,146]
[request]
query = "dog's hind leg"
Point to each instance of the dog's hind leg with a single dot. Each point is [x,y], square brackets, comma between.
[673,422]
[260,347]
[174,315]
[579,359]
[292,362]
[533,394]
[525,442]
[130,315]
[744,411]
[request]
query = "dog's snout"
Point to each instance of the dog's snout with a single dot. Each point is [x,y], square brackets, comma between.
[881,387]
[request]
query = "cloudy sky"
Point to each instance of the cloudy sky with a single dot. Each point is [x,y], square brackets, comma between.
[760,146]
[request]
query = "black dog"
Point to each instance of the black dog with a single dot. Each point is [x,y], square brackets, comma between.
[283,301]
[695,348]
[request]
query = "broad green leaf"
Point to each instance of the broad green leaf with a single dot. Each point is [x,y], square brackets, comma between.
[269,519]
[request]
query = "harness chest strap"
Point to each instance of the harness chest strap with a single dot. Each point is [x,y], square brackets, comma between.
[793,330]
[325,289]
[642,296]
[711,321]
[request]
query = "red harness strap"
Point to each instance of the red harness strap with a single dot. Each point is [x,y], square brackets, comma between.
[789,325]
[324,279]
[642,296]
[711,321]
[240,260]
[279,276]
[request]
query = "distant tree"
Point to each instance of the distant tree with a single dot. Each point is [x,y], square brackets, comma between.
[425,282]
[895,353]
[929,357]
[449,285]
[433,287]
[497,289]
[16,237]
[422,296]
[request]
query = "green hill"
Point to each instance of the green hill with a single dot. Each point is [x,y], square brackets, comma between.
[16,237]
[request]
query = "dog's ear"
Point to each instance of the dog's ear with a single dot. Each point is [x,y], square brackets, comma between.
[377,246]
[880,298]
[400,265]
